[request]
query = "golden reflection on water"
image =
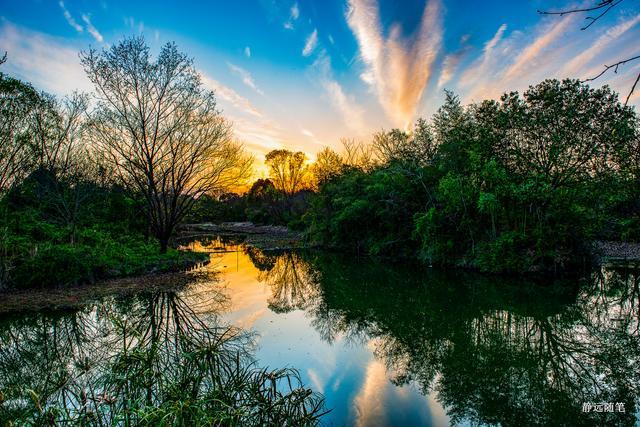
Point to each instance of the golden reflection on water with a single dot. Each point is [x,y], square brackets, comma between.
[378,343]
[275,296]
[233,274]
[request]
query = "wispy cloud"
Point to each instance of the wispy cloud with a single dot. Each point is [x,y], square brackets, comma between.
[398,68]
[69,18]
[491,44]
[312,137]
[256,130]
[352,113]
[43,60]
[449,66]
[262,133]
[552,48]
[91,29]
[247,51]
[577,64]
[311,43]
[231,96]
[246,76]
[134,25]
[451,62]
[295,11]
[294,14]
[479,67]
[533,51]
[549,49]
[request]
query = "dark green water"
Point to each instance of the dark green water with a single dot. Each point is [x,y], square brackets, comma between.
[385,344]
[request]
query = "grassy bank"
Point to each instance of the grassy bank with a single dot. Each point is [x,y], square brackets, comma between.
[46,241]
[96,254]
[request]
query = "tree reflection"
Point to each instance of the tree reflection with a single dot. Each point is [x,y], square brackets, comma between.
[495,352]
[290,279]
[148,360]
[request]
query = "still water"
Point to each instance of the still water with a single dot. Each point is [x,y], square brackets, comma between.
[384,344]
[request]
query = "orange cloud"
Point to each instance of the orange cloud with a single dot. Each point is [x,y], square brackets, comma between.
[398,68]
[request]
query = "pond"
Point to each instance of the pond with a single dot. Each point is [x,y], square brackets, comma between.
[384,343]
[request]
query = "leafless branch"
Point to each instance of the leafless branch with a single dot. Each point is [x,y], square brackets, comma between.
[159,129]
[614,66]
[604,6]
[633,88]
[615,70]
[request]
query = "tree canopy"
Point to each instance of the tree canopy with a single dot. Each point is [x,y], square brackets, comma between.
[159,129]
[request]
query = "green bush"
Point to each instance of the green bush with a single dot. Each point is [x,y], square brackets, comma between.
[104,239]
[55,264]
[523,184]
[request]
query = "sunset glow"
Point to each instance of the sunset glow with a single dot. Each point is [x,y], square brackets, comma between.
[301,74]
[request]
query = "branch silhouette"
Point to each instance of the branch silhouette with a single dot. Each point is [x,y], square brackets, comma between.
[604,6]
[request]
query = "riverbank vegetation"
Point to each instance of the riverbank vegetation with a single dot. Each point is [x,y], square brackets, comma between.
[524,184]
[94,186]
[147,360]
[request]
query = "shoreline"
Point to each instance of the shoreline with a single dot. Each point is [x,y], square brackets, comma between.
[261,237]
[264,238]
[157,277]
[77,296]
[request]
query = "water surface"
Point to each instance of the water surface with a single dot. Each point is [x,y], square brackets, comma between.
[390,344]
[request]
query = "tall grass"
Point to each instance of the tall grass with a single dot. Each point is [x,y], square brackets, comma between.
[154,361]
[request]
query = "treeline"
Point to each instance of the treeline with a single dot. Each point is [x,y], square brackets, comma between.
[281,199]
[523,184]
[93,186]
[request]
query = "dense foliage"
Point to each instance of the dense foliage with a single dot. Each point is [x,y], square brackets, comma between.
[523,184]
[105,237]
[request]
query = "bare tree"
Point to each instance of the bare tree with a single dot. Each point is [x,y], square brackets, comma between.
[390,146]
[288,170]
[17,102]
[160,130]
[356,154]
[594,14]
[55,128]
[60,155]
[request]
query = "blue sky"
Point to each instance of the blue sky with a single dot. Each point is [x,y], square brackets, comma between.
[302,74]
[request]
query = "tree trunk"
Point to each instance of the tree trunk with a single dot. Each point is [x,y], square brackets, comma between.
[164,245]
